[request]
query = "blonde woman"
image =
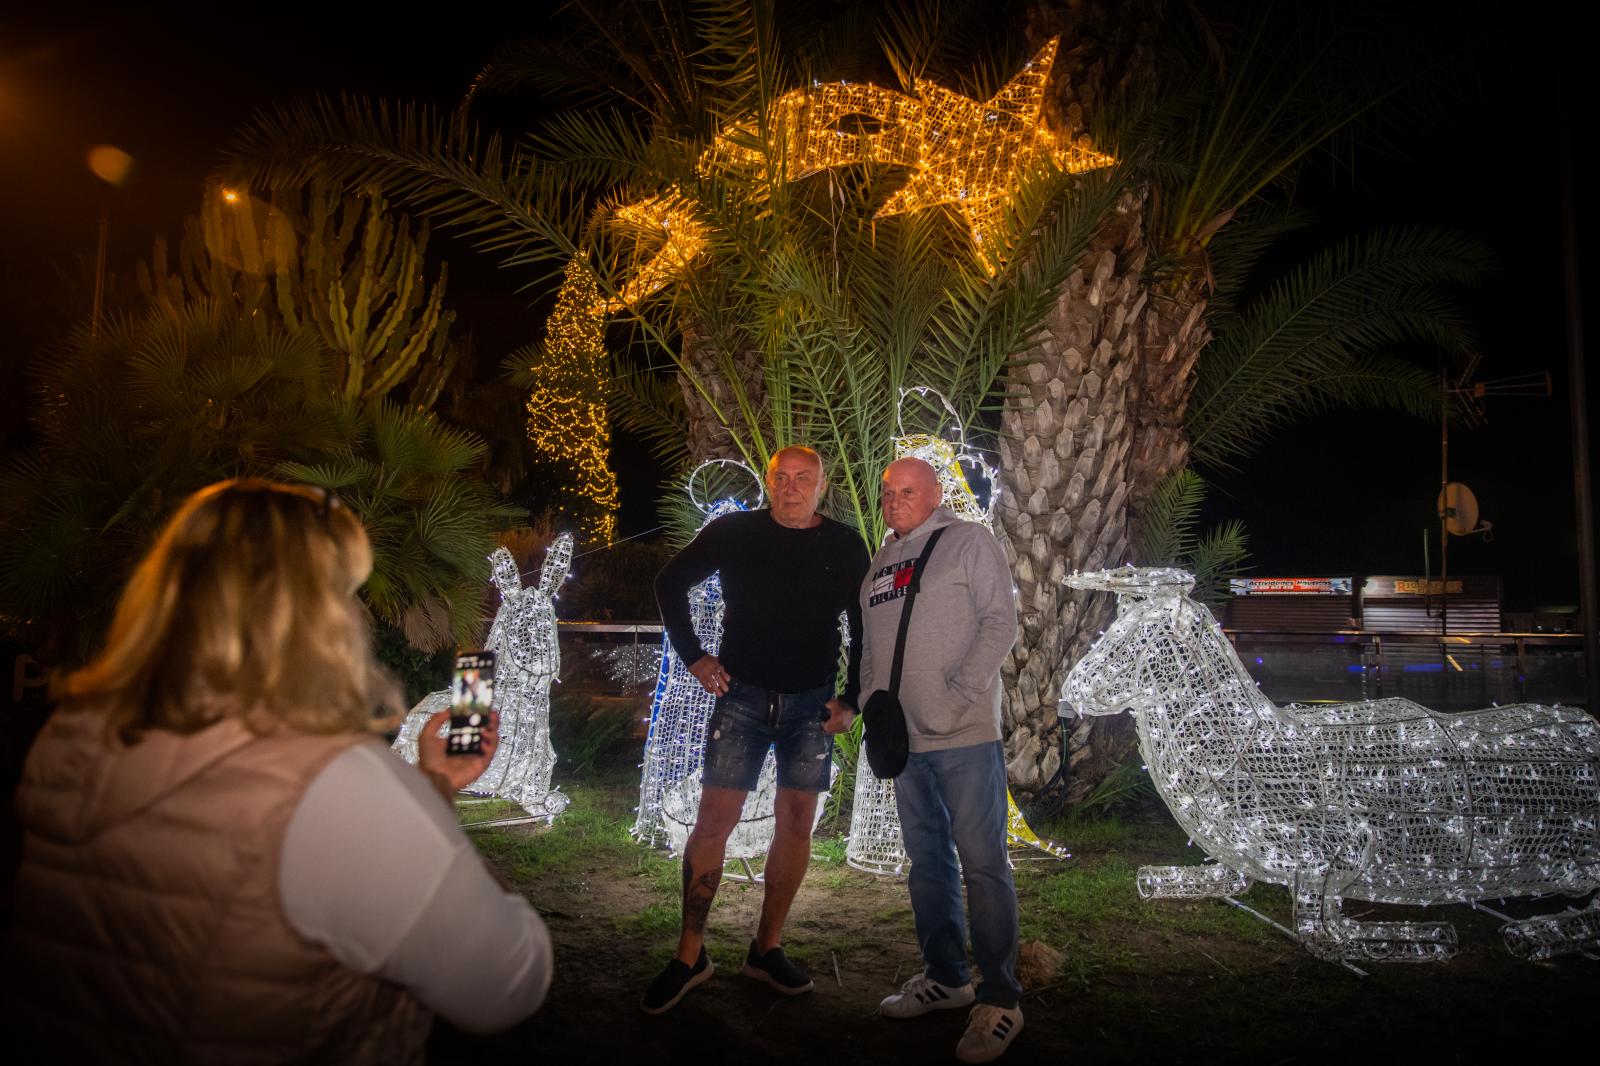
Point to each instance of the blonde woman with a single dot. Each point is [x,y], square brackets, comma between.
[221,861]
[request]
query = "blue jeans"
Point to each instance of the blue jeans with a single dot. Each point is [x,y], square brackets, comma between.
[954,802]
[748,720]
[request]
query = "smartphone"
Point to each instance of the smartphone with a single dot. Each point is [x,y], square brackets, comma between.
[471,694]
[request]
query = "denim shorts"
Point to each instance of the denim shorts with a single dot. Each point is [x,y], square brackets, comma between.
[748,720]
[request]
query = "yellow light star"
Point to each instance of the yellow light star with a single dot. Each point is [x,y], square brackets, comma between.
[973,152]
[677,235]
[961,151]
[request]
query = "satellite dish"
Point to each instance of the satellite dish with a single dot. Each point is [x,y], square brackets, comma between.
[1458,509]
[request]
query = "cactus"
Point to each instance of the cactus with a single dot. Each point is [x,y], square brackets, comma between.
[322,260]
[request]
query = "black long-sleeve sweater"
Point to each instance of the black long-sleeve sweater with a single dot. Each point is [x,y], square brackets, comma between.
[783,590]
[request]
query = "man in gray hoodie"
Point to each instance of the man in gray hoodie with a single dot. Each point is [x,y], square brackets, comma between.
[952,793]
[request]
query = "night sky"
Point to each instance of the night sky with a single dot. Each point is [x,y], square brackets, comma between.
[1339,494]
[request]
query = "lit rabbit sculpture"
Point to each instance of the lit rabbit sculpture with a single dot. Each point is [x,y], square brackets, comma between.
[527,661]
[1383,800]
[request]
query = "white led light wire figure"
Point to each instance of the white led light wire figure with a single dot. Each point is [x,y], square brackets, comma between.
[523,637]
[680,707]
[875,844]
[669,787]
[1382,800]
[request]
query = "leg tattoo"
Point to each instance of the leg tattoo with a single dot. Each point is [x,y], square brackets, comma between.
[698,892]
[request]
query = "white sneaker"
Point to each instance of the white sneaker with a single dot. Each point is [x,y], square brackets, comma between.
[922,994]
[990,1031]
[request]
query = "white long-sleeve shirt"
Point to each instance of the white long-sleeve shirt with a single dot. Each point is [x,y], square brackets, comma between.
[375,869]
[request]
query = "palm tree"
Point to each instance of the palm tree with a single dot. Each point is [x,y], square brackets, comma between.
[132,418]
[1105,417]
[1083,320]
[806,316]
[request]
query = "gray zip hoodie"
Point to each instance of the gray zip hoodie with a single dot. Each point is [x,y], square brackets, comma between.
[963,624]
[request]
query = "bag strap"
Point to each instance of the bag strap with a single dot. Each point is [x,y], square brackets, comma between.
[905,611]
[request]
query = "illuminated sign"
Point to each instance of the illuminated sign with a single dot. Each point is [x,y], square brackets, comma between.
[1419,587]
[1290,586]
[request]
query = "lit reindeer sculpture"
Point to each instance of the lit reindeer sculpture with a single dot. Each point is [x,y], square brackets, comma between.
[1384,801]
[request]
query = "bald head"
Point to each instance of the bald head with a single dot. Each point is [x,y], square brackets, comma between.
[911,492]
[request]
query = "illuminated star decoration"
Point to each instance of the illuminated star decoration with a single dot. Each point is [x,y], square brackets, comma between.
[964,152]
[667,237]
[967,153]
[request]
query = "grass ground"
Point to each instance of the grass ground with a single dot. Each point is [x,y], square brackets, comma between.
[1170,981]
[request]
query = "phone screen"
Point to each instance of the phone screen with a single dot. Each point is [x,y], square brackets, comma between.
[471,694]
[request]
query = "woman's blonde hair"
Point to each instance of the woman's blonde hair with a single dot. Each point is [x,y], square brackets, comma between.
[244,608]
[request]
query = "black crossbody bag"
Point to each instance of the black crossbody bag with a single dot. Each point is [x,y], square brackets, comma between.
[888,745]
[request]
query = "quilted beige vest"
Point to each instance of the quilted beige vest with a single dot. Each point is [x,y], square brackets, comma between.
[148,923]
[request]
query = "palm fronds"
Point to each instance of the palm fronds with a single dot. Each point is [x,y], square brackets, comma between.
[1238,249]
[1218,555]
[1168,537]
[429,521]
[643,403]
[1291,81]
[1322,336]
[150,409]
[1126,786]
[500,198]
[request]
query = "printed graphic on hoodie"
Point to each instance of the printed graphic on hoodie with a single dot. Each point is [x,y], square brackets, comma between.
[891,582]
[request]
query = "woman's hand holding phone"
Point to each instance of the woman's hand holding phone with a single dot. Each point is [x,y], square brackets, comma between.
[451,773]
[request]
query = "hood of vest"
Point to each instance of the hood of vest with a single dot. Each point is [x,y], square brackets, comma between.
[85,780]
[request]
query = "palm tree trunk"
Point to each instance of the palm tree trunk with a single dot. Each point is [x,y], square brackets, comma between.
[1092,425]
[1175,332]
[710,391]
[1067,448]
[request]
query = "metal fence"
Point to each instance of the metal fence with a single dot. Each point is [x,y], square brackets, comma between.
[1455,673]
[609,658]
[620,660]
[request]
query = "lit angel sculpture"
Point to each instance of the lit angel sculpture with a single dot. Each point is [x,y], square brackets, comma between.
[675,745]
[527,660]
[1384,800]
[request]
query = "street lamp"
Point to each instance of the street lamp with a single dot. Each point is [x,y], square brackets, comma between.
[113,166]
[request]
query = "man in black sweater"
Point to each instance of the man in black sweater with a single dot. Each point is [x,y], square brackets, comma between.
[787,574]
